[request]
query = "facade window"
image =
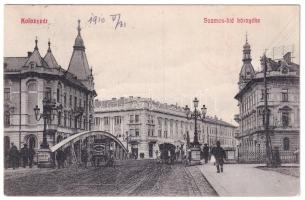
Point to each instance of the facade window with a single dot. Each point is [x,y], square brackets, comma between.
[137,120]
[137,132]
[131,119]
[70,123]
[165,134]
[160,122]
[263,93]
[106,120]
[65,100]
[7,116]
[117,120]
[284,95]
[7,94]
[286,143]
[70,101]
[159,133]
[65,119]
[48,93]
[75,102]
[285,119]
[59,118]
[59,91]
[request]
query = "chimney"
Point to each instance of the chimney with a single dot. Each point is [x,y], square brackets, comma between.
[29,54]
[287,57]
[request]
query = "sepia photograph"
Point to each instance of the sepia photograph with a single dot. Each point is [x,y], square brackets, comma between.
[151,100]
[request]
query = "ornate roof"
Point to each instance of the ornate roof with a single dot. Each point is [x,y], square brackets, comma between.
[35,58]
[79,64]
[50,59]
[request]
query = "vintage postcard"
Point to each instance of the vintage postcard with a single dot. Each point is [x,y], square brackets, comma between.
[151,100]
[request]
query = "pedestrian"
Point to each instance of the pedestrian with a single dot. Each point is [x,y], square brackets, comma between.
[205,153]
[24,153]
[84,157]
[219,154]
[31,156]
[14,156]
[60,157]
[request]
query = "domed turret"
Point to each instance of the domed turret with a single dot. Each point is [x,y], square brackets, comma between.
[247,71]
[79,42]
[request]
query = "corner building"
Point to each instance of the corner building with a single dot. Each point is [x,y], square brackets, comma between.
[283,104]
[28,80]
[142,124]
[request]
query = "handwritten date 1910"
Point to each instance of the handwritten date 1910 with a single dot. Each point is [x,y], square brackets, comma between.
[116,20]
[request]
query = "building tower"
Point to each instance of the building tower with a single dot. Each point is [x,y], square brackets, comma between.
[79,64]
[247,72]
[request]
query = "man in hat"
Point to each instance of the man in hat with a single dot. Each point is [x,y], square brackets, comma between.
[205,153]
[24,153]
[31,156]
[14,156]
[60,157]
[219,154]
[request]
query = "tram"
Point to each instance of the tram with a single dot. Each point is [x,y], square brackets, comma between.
[167,153]
[101,154]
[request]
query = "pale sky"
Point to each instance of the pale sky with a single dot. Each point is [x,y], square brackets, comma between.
[167,53]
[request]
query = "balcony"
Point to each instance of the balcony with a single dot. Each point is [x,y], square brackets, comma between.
[152,138]
[133,138]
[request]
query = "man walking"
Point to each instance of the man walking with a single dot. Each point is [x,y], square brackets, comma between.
[24,153]
[84,157]
[219,154]
[205,153]
[14,156]
[31,156]
[60,157]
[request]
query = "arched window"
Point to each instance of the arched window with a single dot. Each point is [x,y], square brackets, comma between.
[286,143]
[31,140]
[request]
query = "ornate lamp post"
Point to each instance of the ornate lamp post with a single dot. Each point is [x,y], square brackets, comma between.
[196,115]
[50,110]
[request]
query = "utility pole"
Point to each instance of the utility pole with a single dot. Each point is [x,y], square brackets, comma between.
[266,116]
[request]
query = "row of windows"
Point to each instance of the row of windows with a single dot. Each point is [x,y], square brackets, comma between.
[250,101]
[250,122]
[285,144]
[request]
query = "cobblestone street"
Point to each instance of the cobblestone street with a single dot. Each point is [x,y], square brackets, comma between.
[128,178]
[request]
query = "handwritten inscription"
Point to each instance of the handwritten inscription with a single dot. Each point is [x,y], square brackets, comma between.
[115,19]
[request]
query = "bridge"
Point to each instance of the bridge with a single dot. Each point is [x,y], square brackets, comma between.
[75,143]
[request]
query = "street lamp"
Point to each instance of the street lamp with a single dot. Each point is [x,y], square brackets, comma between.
[196,115]
[48,114]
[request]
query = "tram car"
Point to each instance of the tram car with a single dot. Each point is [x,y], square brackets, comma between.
[98,153]
[167,153]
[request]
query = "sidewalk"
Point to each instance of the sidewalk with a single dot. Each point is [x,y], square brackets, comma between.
[246,180]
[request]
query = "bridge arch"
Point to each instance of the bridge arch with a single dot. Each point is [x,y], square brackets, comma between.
[80,136]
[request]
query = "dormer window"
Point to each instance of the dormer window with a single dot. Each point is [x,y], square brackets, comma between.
[32,65]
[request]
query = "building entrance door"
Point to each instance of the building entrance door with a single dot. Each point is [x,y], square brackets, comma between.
[150,150]
[134,152]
